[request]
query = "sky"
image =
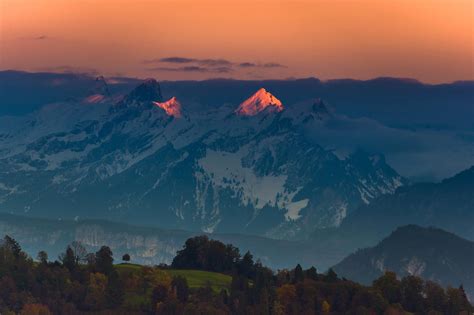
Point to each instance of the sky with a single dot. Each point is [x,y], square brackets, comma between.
[429,40]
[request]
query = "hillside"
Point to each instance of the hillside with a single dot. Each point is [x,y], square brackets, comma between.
[430,253]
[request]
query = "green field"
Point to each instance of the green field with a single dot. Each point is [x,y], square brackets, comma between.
[195,278]
[198,278]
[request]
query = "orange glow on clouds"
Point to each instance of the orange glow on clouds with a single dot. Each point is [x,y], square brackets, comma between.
[431,40]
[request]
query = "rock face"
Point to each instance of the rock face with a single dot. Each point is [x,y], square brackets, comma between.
[210,171]
[411,250]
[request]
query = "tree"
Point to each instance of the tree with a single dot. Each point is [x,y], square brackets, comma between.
[79,251]
[179,285]
[203,254]
[74,255]
[246,265]
[389,286]
[331,276]
[96,298]
[299,275]
[35,309]
[126,257]
[286,296]
[12,245]
[457,301]
[411,289]
[42,257]
[159,294]
[115,290]
[90,259]
[104,260]
[326,307]
[435,296]
[312,273]
[68,259]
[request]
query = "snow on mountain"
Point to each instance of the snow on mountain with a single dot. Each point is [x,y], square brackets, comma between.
[260,101]
[172,107]
[210,171]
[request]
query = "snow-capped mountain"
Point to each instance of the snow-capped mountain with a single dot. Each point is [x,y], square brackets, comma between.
[260,101]
[248,169]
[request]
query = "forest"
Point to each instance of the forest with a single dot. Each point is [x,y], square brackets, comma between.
[206,277]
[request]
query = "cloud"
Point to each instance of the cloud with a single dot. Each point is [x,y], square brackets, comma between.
[273,65]
[214,62]
[197,69]
[261,65]
[209,65]
[70,69]
[180,60]
[247,64]
[423,154]
[39,37]
[171,60]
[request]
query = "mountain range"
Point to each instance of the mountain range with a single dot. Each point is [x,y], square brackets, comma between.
[252,168]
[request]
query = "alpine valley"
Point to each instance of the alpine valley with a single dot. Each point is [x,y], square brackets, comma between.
[250,168]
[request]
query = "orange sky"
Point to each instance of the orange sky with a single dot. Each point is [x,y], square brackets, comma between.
[431,40]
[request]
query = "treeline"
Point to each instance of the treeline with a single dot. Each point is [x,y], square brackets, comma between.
[79,282]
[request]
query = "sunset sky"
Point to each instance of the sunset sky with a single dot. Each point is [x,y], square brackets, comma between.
[430,40]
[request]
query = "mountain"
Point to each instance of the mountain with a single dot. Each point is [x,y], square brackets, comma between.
[448,205]
[99,92]
[260,101]
[210,170]
[429,253]
[153,246]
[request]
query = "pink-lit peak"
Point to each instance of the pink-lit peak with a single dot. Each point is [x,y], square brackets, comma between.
[172,107]
[258,102]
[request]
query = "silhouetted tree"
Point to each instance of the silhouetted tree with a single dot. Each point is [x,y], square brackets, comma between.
[311,273]
[12,245]
[42,257]
[126,257]
[104,260]
[299,275]
[331,276]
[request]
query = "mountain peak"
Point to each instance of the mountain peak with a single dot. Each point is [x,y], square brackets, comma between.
[172,107]
[259,102]
[101,86]
[99,92]
[320,108]
[148,91]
